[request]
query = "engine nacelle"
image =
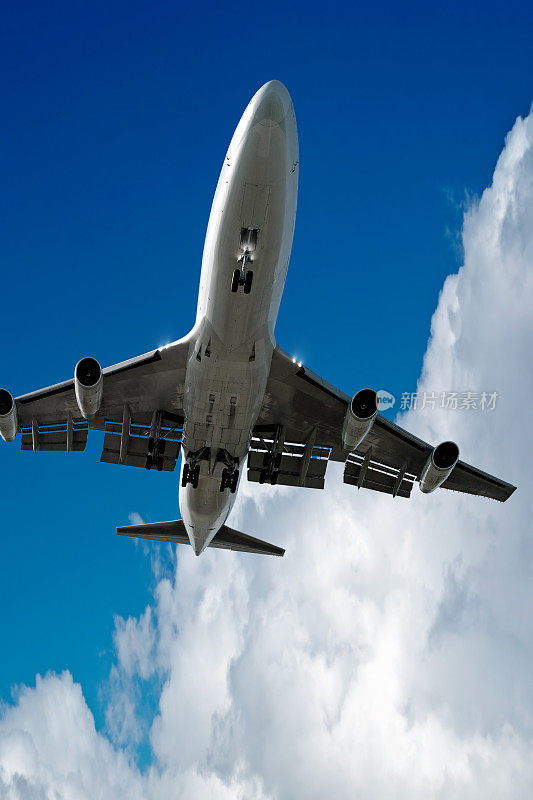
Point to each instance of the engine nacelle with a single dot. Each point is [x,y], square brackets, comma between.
[439,465]
[89,386]
[359,418]
[8,416]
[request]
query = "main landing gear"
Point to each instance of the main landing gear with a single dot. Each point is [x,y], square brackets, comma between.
[271,469]
[230,471]
[190,475]
[229,480]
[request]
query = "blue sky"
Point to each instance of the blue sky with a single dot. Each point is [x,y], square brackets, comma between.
[115,124]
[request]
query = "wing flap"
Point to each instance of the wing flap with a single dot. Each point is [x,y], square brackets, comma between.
[366,473]
[156,446]
[288,470]
[70,435]
[273,459]
[138,455]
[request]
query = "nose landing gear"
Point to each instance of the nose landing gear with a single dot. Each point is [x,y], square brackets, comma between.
[243,276]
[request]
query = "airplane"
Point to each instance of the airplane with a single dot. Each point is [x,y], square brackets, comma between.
[226,394]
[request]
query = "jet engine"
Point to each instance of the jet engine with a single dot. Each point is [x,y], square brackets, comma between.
[359,418]
[8,416]
[439,465]
[89,386]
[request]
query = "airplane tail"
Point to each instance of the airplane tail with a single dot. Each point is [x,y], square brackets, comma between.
[226,538]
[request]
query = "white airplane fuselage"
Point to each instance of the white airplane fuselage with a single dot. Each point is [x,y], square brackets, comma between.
[250,229]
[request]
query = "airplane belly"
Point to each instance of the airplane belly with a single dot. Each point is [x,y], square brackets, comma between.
[250,232]
[224,390]
[246,254]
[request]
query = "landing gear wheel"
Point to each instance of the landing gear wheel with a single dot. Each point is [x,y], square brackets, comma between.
[185,475]
[195,476]
[235,280]
[274,479]
[224,481]
[248,282]
[234,481]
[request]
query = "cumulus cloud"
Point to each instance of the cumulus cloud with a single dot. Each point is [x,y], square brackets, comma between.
[389,653]
[49,747]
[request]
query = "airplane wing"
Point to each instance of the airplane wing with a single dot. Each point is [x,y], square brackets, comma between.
[141,411]
[300,430]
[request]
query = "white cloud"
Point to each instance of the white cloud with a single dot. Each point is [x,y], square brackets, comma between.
[389,653]
[134,642]
[49,748]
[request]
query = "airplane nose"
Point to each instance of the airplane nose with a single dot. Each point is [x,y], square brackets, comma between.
[272,103]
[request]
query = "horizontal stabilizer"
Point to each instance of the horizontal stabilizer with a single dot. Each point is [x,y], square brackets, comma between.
[226,538]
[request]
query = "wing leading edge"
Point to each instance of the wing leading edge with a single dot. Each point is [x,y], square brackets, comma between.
[302,412]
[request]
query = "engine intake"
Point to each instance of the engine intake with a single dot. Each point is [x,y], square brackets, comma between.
[8,416]
[439,465]
[359,418]
[88,386]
